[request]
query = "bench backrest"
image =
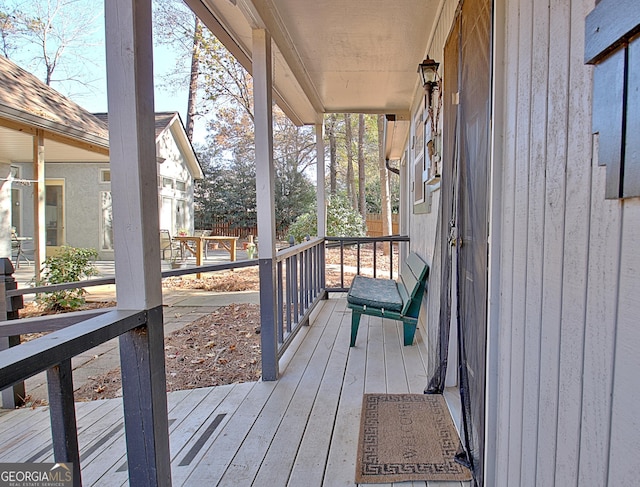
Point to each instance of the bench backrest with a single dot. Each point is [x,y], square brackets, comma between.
[412,283]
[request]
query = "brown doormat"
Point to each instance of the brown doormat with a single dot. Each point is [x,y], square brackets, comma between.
[406,437]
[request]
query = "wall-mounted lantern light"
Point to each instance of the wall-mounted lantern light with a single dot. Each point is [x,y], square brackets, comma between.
[428,70]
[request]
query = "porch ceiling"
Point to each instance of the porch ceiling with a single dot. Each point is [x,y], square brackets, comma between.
[17,146]
[358,56]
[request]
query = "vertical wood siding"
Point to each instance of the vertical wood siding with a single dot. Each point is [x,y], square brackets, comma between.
[569,270]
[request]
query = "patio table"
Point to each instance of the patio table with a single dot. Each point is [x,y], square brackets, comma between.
[195,244]
[229,243]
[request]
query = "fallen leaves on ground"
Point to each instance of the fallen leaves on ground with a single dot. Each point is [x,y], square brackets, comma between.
[220,348]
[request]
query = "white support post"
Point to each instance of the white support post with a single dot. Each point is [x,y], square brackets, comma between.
[39,194]
[5,211]
[320,184]
[134,187]
[263,115]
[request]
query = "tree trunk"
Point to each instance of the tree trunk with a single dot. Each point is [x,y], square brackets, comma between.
[361,179]
[193,78]
[333,155]
[385,201]
[351,184]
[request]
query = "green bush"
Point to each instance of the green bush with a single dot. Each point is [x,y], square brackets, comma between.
[70,265]
[342,221]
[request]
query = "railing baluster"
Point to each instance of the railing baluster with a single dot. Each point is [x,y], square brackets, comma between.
[289,292]
[294,281]
[323,277]
[316,271]
[301,284]
[360,243]
[390,260]
[309,278]
[375,261]
[312,276]
[63,417]
[341,263]
[280,303]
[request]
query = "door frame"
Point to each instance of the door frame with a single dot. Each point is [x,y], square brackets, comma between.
[52,250]
[496,160]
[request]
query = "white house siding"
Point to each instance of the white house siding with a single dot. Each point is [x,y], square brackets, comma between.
[569,272]
[82,189]
[175,168]
[423,225]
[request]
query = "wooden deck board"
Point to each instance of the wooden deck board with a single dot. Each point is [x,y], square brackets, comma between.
[309,465]
[198,445]
[396,376]
[247,461]
[300,430]
[340,468]
[113,457]
[278,461]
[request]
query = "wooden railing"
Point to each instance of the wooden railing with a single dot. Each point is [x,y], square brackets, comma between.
[299,287]
[75,333]
[346,273]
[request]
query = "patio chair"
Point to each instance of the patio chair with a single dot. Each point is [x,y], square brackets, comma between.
[17,248]
[168,244]
[205,244]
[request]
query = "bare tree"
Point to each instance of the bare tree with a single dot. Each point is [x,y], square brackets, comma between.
[55,35]
[225,80]
[8,31]
[213,76]
[193,77]
[176,26]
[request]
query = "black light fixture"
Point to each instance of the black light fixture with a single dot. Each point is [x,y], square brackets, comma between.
[428,70]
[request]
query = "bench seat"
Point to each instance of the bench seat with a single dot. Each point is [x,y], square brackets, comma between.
[386,298]
[379,293]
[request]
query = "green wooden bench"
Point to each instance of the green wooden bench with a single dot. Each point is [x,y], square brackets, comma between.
[397,300]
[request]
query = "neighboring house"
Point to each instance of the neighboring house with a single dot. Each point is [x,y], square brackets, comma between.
[38,125]
[178,168]
[77,210]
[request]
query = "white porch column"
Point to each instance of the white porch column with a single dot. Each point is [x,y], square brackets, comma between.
[39,193]
[134,187]
[262,101]
[320,183]
[5,210]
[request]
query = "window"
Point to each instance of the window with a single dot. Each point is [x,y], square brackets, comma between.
[167,183]
[105,176]
[612,43]
[54,213]
[181,186]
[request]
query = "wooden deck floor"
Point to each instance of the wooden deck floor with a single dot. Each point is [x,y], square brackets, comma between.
[301,430]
